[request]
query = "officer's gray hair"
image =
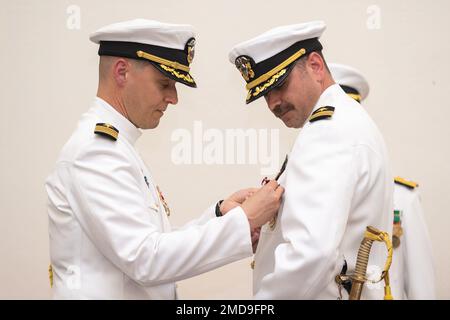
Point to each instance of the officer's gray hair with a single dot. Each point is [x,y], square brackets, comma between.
[104,66]
[107,61]
[139,63]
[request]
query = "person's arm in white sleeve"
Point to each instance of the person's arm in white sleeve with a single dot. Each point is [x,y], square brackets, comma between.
[319,187]
[225,206]
[106,199]
[208,214]
[418,256]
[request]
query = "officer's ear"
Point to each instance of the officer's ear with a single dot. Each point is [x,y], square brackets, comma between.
[121,68]
[315,62]
[316,66]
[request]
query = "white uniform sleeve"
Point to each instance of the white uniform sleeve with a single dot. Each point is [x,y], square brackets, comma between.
[208,214]
[113,212]
[417,252]
[319,186]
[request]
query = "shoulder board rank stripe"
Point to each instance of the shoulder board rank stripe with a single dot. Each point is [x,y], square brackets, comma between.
[354,96]
[322,113]
[406,183]
[106,130]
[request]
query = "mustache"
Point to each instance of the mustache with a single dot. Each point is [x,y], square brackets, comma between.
[282,108]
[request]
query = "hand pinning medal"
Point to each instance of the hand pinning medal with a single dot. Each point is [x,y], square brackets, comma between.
[273,222]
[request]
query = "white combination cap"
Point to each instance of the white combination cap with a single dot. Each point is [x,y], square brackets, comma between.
[169,47]
[351,80]
[266,60]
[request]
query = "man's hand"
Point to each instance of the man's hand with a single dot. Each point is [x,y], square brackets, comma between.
[262,206]
[236,199]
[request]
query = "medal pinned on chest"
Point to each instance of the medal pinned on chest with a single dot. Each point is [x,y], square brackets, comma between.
[163,200]
[397,230]
[273,222]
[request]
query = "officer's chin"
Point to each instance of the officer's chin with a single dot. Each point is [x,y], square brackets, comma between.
[287,120]
[291,123]
[155,125]
[152,125]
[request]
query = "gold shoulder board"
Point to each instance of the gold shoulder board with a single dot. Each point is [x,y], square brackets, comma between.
[406,183]
[106,130]
[322,113]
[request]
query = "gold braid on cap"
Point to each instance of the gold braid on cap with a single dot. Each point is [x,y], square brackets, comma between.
[266,76]
[185,77]
[274,78]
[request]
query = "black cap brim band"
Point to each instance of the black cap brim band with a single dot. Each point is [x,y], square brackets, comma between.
[172,63]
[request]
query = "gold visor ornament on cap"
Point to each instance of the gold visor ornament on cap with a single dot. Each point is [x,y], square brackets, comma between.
[283,65]
[258,84]
[244,65]
[190,45]
[177,70]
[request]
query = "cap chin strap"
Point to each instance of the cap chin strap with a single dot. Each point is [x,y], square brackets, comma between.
[173,64]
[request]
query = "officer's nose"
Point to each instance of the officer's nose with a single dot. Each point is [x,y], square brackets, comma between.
[172,97]
[273,99]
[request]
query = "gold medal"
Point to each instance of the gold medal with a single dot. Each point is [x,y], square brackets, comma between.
[396,234]
[50,275]
[395,241]
[166,207]
[273,222]
[398,230]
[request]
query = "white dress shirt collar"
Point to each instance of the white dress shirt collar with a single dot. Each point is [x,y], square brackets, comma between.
[111,116]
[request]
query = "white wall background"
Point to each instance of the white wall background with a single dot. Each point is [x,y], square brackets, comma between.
[48,77]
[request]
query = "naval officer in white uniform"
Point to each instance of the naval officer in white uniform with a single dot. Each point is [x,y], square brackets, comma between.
[110,236]
[337,179]
[412,273]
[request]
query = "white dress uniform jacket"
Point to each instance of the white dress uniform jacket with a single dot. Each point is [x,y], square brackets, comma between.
[110,237]
[412,271]
[337,182]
